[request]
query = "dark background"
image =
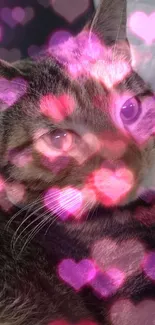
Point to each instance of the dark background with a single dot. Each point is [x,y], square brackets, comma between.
[25,26]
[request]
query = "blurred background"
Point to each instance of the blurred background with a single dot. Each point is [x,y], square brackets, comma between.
[25,26]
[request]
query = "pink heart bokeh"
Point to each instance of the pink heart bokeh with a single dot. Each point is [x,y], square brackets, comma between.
[125,256]
[107,283]
[16,15]
[143,25]
[12,90]
[10,55]
[64,203]
[70,9]
[76,274]
[110,73]
[123,312]
[112,186]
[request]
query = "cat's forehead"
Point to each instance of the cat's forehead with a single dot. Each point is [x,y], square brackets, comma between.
[52,93]
[86,100]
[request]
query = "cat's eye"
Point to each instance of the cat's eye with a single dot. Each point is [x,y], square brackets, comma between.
[61,139]
[130,111]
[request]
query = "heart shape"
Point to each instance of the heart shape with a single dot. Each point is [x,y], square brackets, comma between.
[12,90]
[107,283]
[76,274]
[64,203]
[44,3]
[29,15]
[112,186]
[125,256]
[6,16]
[123,312]
[18,14]
[10,55]
[70,9]
[57,108]
[143,25]
[110,73]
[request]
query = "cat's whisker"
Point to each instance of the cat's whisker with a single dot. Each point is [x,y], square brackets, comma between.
[29,206]
[34,212]
[54,217]
[28,217]
[15,238]
[34,232]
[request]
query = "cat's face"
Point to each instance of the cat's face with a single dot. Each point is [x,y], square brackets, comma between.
[82,139]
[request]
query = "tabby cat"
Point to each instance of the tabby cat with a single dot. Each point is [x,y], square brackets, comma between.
[77,242]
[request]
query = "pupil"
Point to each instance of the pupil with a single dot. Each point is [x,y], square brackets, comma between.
[57,139]
[128,111]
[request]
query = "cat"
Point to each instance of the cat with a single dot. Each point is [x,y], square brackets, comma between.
[77,152]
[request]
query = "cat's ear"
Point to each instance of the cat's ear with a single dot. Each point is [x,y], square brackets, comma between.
[109,22]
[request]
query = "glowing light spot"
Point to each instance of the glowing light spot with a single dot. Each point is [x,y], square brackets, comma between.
[10,55]
[34,50]
[2,184]
[110,72]
[107,283]
[57,108]
[6,16]
[18,14]
[143,25]
[20,158]
[70,9]
[112,186]
[124,312]
[65,203]
[76,274]
[29,14]
[125,255]
[12,90]
[45,4]
[15,192]
[59,322]
[56,165]
[22,15]
[114,149]
[148,265]
[76,53]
